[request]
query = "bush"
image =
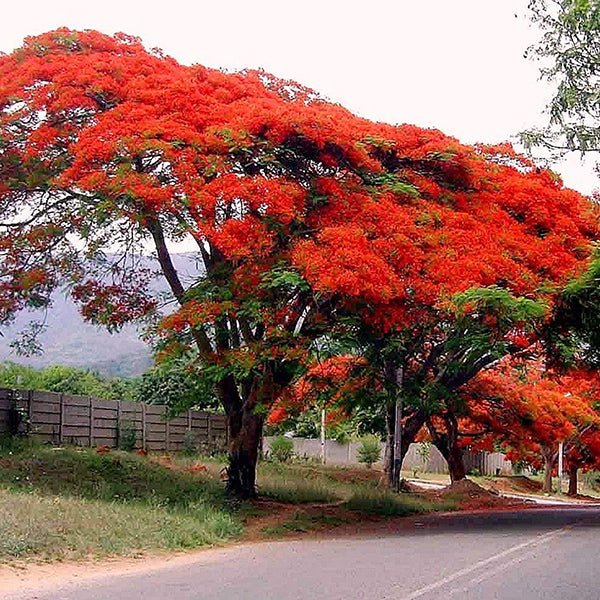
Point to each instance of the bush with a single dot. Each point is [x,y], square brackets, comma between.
[369,451]
[281,449]
[127,436]
[189,444]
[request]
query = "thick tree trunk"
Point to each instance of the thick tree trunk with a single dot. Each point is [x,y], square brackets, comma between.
[572,480]
[388,457]
[549,458]
[447,444]
[245,429]
[455,458]
[456,463]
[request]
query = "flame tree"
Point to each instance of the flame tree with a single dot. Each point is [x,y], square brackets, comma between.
[303,215]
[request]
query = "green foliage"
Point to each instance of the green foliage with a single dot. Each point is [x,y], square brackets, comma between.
[281,449]
[180,384]
[282,278]
[369,451]
[499,303]
[388,503]
[574,333]
[189,444]
[391,182]
[67,380]
[569,51]
[127,436]
[289,483]
[115,476]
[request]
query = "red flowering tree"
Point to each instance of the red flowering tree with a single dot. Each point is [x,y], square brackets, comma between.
[527,411]
[303,216]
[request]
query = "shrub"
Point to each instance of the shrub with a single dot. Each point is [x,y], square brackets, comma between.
[127,436]
[369,451]
[189,444]
[281,449]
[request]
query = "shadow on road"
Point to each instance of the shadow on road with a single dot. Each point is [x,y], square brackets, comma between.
[532,519]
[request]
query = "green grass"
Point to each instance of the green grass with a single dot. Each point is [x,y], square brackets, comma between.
[387,503]
[58,503]
[61,527]
[302,523]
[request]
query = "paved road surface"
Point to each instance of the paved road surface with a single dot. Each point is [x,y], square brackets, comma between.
[549,554]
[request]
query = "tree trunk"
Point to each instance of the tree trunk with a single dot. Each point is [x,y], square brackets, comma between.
[245,429]
[456,463]
[388,456]
[455,459]
[447,444]
[572,480]
[549,458]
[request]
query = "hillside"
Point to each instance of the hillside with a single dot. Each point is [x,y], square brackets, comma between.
[68,340]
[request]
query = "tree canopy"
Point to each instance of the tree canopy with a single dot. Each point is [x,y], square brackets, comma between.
[305,218]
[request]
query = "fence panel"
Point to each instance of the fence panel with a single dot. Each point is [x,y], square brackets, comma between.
[84,421]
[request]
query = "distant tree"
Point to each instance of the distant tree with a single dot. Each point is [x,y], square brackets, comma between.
[67,380]
[527,410]
[569,50]
[177,384]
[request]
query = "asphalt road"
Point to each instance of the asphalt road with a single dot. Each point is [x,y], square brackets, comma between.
[546,553]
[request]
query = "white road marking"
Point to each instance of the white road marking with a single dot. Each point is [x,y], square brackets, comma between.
[541,539]
[487,574]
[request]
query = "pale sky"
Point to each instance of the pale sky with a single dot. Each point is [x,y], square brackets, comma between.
[455,65]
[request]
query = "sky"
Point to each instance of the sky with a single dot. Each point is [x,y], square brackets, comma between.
[454,65]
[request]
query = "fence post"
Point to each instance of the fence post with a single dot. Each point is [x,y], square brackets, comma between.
[61,426]
[92,403]
[29,412]
[118,423]
[143,426]
[167,432]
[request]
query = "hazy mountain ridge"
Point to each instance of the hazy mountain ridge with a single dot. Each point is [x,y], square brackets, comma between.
[69,340]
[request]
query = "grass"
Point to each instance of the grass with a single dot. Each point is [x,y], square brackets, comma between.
[303,523]
[63,527]
[389,504]
[68,503]
[286,483]
[61,503]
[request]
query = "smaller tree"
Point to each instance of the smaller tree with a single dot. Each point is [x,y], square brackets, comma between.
[281,449]
[527,411]
[569,49]
[369,451]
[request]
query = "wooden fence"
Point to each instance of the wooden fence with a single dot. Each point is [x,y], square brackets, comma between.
[85,421]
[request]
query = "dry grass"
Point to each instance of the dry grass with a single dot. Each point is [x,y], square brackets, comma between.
[58,503]
[62,527]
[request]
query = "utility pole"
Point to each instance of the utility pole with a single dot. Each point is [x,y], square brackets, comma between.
[323,447]
[398,431]
[560,466]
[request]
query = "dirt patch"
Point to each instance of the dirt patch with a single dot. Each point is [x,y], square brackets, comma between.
[519,484]
[346,474]
[471,496]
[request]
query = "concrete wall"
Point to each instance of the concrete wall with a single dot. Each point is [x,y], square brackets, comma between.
[346,454]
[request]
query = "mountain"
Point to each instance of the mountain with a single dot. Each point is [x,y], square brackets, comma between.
[69,340]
